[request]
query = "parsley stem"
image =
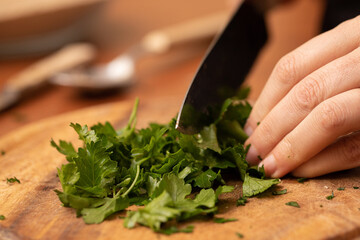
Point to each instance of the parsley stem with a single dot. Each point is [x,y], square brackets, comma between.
[134,182]
[132,120]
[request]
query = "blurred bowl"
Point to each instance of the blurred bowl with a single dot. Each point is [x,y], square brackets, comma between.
[33,27]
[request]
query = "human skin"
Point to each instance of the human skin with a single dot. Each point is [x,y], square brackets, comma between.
[309,109]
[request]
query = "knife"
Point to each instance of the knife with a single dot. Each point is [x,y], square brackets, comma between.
[225,67]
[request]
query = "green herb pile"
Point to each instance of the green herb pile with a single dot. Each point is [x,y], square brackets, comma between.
[174,177]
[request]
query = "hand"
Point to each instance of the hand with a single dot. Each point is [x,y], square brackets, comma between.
[309,110]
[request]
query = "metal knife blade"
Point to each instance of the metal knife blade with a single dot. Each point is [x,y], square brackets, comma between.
[226,65]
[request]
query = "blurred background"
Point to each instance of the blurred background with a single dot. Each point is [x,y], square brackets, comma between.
[32,31]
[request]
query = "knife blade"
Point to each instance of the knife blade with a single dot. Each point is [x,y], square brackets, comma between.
[225,67]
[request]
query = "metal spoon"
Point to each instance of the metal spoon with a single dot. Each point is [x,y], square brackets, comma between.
[121,70]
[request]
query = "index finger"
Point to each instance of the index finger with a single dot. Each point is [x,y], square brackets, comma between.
[307,58]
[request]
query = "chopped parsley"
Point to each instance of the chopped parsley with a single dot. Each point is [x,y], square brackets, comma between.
[2,217]
[12,180]
[330,197]
[241,201]
[224,220]
[293,204]
[239,235]
[341,189]
[174,229]
[3,152]
[355,187]
[301,180]
[280,192]
[175,177]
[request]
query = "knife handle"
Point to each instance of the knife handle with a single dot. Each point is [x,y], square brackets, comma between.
[38,73]
[159,41]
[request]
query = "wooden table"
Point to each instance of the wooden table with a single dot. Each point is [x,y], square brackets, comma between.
[125,22]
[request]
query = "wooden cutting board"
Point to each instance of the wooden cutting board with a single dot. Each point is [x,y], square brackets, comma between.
[33,211]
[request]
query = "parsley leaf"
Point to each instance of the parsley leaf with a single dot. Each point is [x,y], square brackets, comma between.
[293,204]
[205,179]
[110,206]
[224,220]
[330,197]
[280,192]
[174,229]
[223,189]
[240,235]
[241,201]
[253,186]
[2,217]
[95,167]
[301,180]
[158,211]
[12,180]
[65,148]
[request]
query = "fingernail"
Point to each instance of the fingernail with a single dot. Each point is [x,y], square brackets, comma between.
[248,130]
[252,156]
[269,164]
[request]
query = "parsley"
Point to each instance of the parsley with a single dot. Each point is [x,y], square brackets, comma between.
[224,220]
[2,217]
[12,180]
[293,204]
[239,235]
[241,201]
[172,175]
[174,229]
[341,189]
[301,180]
[280,192]
[355,187]
[253,186]
[330,197]
[3,152]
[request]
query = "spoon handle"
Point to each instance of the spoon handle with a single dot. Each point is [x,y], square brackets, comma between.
[37,74]
[159,41]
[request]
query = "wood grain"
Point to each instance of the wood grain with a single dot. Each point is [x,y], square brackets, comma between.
[33,211]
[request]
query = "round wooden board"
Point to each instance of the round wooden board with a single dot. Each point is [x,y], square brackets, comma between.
[33,211]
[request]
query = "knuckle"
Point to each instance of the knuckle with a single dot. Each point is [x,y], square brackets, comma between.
[308,94]
[286,69]
[331,115]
